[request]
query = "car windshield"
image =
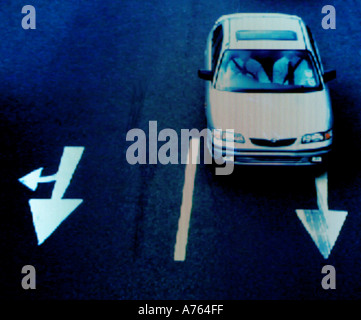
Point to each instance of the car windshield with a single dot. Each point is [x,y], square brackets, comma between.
[267,71]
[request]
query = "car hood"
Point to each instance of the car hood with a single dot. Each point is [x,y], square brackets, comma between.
[270,115]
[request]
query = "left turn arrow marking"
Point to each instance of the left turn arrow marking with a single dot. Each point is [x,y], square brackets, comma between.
[48,214]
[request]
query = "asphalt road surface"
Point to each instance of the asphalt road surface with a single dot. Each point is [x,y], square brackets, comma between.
[89,73]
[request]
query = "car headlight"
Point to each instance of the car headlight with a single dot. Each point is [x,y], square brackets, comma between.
[228,135]
[317,137]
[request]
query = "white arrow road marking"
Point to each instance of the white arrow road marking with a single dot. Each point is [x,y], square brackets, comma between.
[323,225]
[32,179]
[321,183]
[186,207]
[68,163]
[323,228]
[48,214]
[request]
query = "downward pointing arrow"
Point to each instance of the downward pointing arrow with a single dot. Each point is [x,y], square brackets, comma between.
[323,225]
[48,214]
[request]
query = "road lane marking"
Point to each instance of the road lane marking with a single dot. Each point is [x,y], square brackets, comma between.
[321,183]
[323,225]
[48,214]
[187,200]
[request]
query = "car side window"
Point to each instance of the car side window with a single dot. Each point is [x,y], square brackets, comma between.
[216,45]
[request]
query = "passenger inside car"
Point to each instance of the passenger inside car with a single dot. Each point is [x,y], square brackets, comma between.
[293,69]
[253,69]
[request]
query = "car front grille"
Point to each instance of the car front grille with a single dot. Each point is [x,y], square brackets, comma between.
[273,142]
[270,159]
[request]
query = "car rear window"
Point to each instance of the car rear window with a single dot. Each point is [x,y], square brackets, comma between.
[265,35]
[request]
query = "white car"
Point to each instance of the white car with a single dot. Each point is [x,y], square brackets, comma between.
[266,91]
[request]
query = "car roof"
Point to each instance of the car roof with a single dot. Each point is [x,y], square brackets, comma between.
[264,31]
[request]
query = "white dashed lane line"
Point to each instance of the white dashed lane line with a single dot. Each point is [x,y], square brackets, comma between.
[187,200]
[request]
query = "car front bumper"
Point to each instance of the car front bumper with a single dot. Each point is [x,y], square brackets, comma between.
[310,157]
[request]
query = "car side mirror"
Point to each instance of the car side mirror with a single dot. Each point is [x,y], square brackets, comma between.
[205,74]
[329,75]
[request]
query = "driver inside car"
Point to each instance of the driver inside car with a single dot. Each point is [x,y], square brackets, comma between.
[240,63]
